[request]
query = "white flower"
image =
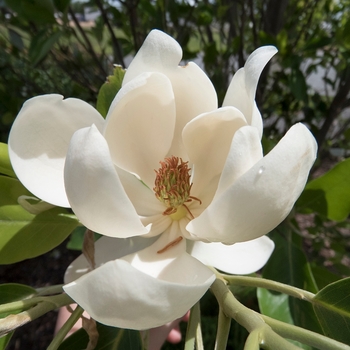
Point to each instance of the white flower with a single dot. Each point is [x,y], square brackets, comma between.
[168,165]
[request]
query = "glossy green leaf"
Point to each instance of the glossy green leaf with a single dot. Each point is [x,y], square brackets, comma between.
[329,194]
[110,338]
[41,45]
[5,164]
[109,89]
[332,307]
[24,235]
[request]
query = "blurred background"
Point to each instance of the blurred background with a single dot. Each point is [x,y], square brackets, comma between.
[70,47]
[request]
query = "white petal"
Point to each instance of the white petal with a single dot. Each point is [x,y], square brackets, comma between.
[106,249]
[194,92]
[39,140]
[94,189]
[244,152]
[157,224]
[241,92]
[120,295]
[261,198]
[240,258]
[207,139]
[140,125]
[142,197]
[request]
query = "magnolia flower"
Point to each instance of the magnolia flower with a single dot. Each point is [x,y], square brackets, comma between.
[173,182]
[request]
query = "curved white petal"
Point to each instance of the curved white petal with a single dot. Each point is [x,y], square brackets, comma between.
[194,92]
[106,249]
[158,224]
[94,189]
[149,291]
[245,151]
[142,197]
[261,198]
[241,92]
[240,258]
[140,125]
[39,140]
[207,139]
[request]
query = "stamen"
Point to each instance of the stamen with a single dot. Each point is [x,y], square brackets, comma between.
[171,244]
[172,185]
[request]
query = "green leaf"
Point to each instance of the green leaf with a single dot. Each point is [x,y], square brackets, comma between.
[329,195]
[8,293]
[276,305]
[37,11]
[62,5]
[76,239]
[288,265]
[332,307]
[110,338]
[4,340]
[5,164]
[24,235]
[15,39]
[109,89]
[41,45]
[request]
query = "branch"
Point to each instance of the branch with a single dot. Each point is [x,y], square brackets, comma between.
[118,55]
[269,284]
[340,101]
[89,47]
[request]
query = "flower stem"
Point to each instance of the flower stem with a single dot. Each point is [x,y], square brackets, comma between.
[224,324]
[304,336]
[50,290]
[269,284]
[193,328]
[42,305]
[249,319]
[61,334]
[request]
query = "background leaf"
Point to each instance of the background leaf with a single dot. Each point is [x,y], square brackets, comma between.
[288,265]
[329,194]
[41,45]
[109,89]
[24,235]
[332,307]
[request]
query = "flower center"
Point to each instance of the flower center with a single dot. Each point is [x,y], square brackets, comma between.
[173,187]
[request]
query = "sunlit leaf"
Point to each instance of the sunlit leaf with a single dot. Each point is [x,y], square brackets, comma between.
[5,164]
[24,235]
[109,89]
